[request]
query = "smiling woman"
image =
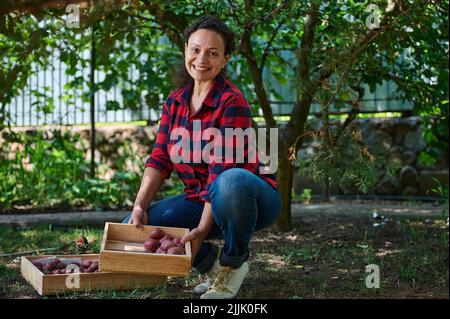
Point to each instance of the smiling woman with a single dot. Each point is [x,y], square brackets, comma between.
[227,199]
[218,40]
[204,59]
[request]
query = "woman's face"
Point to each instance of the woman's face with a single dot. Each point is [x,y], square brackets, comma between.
[205,55]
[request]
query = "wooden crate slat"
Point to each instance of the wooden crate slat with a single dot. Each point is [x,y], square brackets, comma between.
[53,284]
[122,251]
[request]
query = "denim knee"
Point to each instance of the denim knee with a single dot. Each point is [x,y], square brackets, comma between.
[232,185]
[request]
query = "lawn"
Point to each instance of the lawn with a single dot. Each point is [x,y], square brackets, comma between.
[322,257]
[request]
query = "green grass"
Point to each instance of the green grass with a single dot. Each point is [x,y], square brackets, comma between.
[295,255]
[20,240]
[325,258]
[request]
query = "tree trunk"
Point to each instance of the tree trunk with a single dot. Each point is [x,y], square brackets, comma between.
[285,178]
[326,191]
[92,105]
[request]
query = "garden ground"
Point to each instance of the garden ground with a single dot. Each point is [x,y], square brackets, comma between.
[324,256]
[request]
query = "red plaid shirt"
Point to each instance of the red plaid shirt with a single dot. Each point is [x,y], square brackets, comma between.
[224,107]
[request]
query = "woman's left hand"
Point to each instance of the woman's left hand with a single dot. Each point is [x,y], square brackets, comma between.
[196,237]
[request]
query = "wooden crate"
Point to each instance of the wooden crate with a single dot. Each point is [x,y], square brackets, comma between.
[53,284]
[122,250]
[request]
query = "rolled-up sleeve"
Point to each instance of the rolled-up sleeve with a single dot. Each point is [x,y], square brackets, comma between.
[159,158]
[237,114]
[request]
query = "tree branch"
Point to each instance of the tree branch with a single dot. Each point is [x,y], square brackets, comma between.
[269,44]
[250,25]
[173,25]
[246,48]
[308,90]
[354,111]
[304,98]
[233,12]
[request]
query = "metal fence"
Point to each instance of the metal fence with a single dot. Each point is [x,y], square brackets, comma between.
[69,107]
[383,99]
[72,110]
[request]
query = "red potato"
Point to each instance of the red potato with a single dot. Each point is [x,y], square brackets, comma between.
[167,244]
[177,240]
[160,243]
[86,264]
[161,251]
[93,267]
[53,264]
[61,266]
[48,268]
[156,233]
[166,237]
[151,245]
[175,250]
[39,266]
[81,242]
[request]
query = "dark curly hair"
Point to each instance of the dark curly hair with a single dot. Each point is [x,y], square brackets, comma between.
[212,23]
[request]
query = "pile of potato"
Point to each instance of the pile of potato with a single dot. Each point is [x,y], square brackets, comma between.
[57,267]
[161,243]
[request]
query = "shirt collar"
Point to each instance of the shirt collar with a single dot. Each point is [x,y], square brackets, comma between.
[213,96]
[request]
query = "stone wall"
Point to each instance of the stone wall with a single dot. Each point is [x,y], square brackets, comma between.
[110,141]
[400,139]
[134,141]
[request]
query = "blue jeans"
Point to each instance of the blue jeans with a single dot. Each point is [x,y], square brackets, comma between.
[241,203]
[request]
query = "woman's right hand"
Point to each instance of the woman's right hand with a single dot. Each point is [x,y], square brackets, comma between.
[138,217]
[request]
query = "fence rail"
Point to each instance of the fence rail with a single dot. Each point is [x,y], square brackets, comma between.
[70,109]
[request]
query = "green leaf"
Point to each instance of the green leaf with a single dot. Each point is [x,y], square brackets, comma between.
[112,106]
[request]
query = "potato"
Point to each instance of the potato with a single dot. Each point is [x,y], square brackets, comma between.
[86,264]
[81,242]
[156,233]
[89,266]
[168,244]
[48,268]
[175,250]
[151,245]
[93,267]
[166,237]
[177,240]
[39,266]
[161,251]
[53,264]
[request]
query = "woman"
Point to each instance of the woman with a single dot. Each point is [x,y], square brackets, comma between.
[222,199]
